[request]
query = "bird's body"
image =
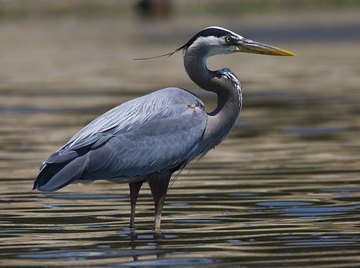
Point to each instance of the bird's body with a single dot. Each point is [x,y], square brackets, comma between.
[133,140]
[151,137]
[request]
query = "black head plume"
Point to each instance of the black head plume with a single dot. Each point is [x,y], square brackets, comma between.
[209,31]
[163,55]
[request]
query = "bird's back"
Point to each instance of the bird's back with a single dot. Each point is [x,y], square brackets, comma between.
[156,132]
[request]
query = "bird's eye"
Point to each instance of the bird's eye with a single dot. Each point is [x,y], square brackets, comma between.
[228,39]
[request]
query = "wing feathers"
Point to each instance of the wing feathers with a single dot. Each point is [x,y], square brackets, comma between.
[152,133]
[55,176]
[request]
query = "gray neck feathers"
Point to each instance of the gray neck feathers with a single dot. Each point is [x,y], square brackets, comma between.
[224,84]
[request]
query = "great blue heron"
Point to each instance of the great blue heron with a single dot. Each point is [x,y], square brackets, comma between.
[151,137]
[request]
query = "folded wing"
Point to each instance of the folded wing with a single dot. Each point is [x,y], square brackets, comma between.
[156,132]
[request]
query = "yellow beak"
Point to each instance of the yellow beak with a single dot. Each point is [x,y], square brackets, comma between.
[249,46]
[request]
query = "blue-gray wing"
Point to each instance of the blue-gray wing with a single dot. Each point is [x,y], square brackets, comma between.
[159,131]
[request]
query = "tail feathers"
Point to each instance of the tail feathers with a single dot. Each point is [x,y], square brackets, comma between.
[55,176]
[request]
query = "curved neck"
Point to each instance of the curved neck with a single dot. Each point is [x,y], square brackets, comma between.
[227,87]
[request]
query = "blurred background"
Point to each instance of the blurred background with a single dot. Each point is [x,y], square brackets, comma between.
[91,44]
[283,190]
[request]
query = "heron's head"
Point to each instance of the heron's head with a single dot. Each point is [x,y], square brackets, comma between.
[216,40]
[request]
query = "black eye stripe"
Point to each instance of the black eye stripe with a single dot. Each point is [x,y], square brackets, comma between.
[230,40]
[212,31]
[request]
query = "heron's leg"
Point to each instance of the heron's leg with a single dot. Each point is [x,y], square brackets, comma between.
[159,185]
[134,192]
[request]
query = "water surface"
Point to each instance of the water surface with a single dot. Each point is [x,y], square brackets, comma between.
[282,191]
[274,194]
